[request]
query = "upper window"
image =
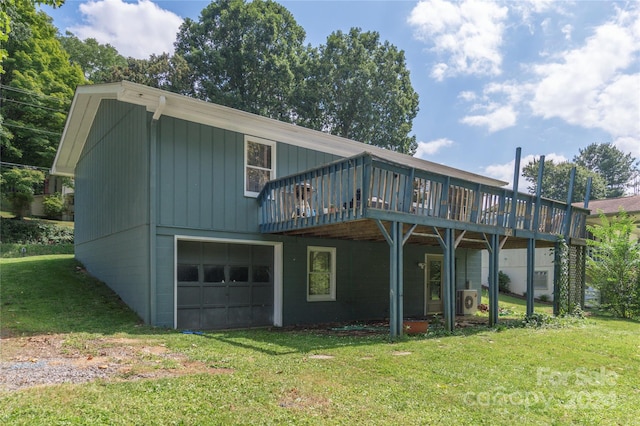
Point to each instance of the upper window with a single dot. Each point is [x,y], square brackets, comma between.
[321,273]
[259,164]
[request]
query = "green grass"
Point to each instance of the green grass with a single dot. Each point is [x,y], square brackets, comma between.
[10,250]
[585,373]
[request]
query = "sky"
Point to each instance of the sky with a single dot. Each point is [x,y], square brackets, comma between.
[550,77]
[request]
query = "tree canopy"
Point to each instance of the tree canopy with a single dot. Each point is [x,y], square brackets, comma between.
[38,85]
[359,88]
[555,181]
[250,56]
[616,168]
[243,55]
[96,60]
[613,265]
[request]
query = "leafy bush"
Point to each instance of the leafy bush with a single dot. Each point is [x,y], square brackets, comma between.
[613,265]
[18,186]
[34,232]
[53,206]
[503,282]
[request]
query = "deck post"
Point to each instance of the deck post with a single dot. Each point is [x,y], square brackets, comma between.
[531,263]
[447,279]
[395,239]
[494,267]
[514,199]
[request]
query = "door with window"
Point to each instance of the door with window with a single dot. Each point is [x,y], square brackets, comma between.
[223,285]
[433,274]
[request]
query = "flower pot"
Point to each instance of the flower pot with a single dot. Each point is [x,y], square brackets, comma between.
[415,326]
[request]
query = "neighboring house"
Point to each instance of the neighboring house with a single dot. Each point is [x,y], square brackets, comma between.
[513,262]
[205,217]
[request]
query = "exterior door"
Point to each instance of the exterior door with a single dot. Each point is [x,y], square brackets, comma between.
[222,285]
[433,283]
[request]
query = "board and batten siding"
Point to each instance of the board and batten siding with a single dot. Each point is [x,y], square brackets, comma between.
[112,202]
[201,176]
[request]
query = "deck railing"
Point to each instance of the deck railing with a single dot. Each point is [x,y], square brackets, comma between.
[352,188]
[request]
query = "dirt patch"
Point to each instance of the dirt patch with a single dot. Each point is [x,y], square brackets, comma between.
[295,399]
[54,359]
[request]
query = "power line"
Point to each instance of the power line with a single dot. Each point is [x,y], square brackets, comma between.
[31,92]
[32,129]
[33,105]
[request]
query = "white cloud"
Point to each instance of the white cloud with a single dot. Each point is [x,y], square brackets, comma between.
[497,119]
[425,149]
[566,30]
[505,171]
[469,34]
[134,29]
[598,84]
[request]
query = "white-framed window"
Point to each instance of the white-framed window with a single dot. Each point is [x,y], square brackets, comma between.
[321,274]
[259,164]
[540,280]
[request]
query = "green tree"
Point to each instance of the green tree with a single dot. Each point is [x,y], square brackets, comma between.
[18,187]
[613,266]
[162,71]
[616,168]
[359,88]
[555,181]
[5,23]
[38,85]
[243,55]
[96,60]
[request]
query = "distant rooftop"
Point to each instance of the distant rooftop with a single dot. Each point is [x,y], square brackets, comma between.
[609,206]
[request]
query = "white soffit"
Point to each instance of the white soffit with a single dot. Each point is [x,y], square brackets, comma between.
[87,100]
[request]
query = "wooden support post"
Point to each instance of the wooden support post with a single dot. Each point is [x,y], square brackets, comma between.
[494,267]
[514,199]
[536,213]
[557,272]
[396,240]
[531,263]
[567,215]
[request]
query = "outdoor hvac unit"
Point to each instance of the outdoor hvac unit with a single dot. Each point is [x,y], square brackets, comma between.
[467,302]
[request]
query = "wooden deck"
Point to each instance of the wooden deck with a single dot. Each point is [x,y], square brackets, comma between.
[348,199]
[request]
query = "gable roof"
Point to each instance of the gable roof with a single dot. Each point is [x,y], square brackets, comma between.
[611,206]
[87,101]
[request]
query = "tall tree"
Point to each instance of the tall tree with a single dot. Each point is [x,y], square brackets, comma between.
[613,265]
[38,85]
[162,71]
[555,181]
[616,168]
[96,60]
[360,88]
[243,55]
[5,22]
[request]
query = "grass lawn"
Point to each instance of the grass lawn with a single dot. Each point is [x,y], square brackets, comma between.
[580,372]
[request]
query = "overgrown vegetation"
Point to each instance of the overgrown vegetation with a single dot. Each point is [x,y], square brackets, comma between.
[34,232]
[614,265]
[565,375]
[503,282]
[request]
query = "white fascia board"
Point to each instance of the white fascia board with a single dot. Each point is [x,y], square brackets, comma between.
[198,111]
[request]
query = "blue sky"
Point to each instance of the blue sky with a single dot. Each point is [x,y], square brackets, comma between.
[548,76]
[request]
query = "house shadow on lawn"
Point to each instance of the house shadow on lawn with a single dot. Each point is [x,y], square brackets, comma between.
[315,338]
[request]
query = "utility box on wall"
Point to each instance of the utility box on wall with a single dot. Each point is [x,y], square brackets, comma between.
[467,302]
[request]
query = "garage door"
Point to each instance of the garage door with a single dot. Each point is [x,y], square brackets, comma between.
[224,285]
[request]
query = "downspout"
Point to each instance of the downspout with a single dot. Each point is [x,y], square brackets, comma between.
[153,144]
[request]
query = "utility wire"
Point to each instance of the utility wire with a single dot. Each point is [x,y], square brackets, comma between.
[33,105]
[31,92]
[32,129]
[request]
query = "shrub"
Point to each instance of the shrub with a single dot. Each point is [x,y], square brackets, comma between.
[34,232]
[18,186]
[503,282]
[544,298]
[53,206]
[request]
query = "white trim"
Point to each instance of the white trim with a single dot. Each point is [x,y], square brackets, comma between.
[272,171]
[277,270]
[87,100]
[331,297]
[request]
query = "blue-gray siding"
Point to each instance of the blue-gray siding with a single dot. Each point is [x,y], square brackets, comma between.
[112,203]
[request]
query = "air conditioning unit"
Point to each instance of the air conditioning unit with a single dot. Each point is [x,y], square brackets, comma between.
[467,302]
